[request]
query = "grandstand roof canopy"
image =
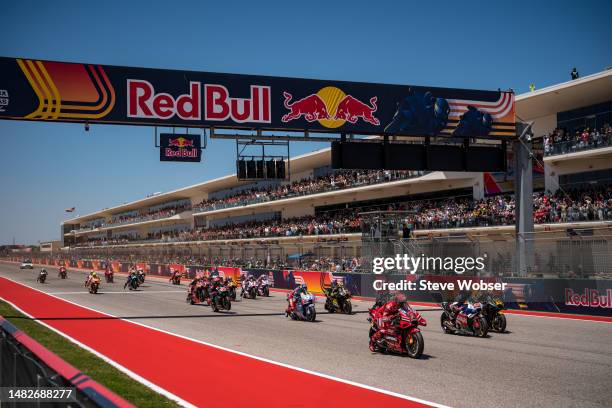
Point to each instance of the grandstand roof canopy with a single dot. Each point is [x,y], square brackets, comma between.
[589,90]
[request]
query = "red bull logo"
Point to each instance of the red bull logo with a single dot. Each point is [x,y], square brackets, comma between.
[180,142]
[144,102]
[331,107]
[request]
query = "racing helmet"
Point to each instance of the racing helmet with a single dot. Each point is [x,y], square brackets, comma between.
[304,287]
[400,299]
[94,274]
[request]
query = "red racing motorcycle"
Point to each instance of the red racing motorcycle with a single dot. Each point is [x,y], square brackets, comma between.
[175,279]
[109,275]
[198,293]
[404,337]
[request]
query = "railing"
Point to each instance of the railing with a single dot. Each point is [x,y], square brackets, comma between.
[573,146]
[25,363]
[322,189]
[132,221]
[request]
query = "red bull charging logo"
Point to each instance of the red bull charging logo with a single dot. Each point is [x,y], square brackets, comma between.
[180,142]
[331,107]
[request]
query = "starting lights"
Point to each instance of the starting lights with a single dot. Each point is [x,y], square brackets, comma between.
[260,169]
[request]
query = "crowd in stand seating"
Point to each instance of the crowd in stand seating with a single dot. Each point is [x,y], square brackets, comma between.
[563,206]
[118,240]
[561,141]
[150,215]
[164,212]
[334,181]
[593,204]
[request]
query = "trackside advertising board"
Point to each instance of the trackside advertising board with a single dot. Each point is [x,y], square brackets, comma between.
[74,92]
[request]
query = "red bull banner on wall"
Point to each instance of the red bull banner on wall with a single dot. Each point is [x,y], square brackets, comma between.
[75,92]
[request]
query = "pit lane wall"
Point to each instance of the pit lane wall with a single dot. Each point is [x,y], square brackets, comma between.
[577,296]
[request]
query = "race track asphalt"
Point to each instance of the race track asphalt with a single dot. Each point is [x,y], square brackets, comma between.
[540,362]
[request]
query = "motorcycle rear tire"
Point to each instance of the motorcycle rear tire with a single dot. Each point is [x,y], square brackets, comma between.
[415,350]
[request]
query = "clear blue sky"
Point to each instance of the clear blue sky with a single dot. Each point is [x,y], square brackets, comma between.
[485,45]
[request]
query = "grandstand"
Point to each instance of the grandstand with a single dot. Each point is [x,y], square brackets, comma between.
[314,221]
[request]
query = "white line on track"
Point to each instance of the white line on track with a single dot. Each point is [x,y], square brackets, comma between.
[240,353]
[118,366]
[115,293]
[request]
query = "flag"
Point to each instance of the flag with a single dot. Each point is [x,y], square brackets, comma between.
[71,209]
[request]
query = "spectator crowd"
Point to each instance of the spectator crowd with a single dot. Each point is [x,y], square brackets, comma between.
[560,141]
[563,206]
[334,181]
[147,215]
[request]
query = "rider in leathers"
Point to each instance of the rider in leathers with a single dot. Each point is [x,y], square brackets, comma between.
[245,284]
[389,314]
[295,296]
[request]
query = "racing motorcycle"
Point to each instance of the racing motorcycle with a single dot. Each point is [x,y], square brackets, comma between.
[197,293]
[42,276]
[250,291]
[141,276]
[63,273]
[469,320]
[263,288]
[132,282]
[404,338]
[94,285]
[231,289]
[109,276]
[340,302]
[492,312]
[175,279]
[220,299]
[304,308]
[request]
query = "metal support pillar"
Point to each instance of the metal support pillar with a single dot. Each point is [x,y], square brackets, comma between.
[523,188]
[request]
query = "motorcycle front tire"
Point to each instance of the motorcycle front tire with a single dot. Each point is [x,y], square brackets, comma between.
[348,307]
[415,349]
[483,329]
[499,323]
[445,318]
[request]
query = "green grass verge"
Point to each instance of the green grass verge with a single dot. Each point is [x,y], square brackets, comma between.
[100,371]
